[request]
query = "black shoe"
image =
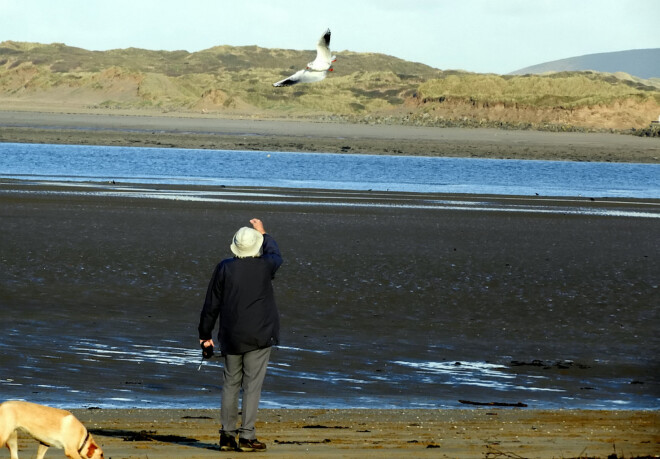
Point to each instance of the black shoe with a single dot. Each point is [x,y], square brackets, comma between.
[227,442]
[248,446]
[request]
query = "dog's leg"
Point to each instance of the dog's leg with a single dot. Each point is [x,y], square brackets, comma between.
[12,444]
[76,433]
[41,452]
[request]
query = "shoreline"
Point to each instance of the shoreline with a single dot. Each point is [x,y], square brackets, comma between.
[376,433]
[289,199]
[199,132]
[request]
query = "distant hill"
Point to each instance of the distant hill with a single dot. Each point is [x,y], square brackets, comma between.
[231,81]
[642,63]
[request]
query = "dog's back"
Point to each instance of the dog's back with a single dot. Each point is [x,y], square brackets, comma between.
[31,411]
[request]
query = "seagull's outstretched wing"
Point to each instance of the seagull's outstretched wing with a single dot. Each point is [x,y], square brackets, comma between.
[317,69]
[324,58]
[302,76]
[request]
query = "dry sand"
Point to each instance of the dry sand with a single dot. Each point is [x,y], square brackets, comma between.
[479,433]
[288,135]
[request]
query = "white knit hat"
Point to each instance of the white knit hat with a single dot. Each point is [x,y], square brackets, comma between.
[247,243]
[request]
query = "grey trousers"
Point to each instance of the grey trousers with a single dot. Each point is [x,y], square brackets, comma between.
[246,371]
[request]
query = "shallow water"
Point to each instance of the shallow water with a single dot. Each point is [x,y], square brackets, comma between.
[328,171]
[118,363]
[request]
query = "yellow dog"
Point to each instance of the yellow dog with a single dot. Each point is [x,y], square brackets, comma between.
[49,426]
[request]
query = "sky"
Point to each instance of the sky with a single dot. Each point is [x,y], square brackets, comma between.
[486,36]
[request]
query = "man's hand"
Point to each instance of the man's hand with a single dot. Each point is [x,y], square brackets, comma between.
[206,342]
[258,225]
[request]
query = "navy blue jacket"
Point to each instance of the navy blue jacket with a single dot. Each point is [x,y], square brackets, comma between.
[241,296]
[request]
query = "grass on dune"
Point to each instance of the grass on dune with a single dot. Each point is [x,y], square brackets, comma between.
[240,78]
[565,90]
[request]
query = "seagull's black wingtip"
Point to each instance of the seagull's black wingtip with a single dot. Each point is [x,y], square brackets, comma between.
[326,37]
[283,83]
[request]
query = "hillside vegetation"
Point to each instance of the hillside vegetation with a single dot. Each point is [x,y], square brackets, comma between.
[365,87]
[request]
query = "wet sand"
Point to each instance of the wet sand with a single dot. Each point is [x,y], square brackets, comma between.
[135,129]
[468,434]
[492,286]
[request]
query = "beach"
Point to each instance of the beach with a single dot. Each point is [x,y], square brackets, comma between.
[561,301]
[461,434]
[464,434]
[197,131]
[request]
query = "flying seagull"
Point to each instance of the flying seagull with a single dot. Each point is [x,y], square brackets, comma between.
[317,69]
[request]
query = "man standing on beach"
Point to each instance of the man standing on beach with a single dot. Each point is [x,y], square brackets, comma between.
[241,296]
